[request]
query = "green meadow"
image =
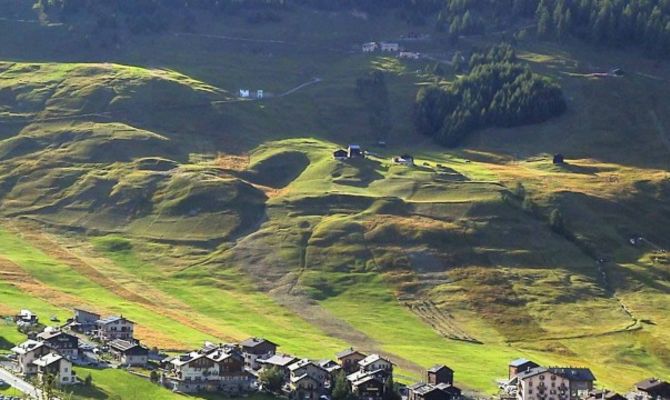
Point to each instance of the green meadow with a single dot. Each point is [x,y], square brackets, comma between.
[135,182]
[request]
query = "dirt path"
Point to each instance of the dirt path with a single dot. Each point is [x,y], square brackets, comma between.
[225,37]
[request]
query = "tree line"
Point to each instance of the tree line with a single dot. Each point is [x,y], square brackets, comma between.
[610,22]
[496,91]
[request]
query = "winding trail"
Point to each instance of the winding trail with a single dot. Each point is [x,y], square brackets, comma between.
[225,37]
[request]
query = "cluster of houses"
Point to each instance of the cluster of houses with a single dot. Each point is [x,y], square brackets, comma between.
[528,380]
[54,351]
[389,47]
[237,368]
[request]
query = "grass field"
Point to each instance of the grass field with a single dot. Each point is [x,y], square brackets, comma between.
[134,182]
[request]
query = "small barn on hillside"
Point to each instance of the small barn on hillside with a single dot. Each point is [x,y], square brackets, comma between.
[340,154]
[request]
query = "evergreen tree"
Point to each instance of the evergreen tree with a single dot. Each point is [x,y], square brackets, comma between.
[341,387]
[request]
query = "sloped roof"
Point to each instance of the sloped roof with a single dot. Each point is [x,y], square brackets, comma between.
[348,352]
[579,374]
[532,372]
[27,346]
[48,360]
[371,359]
[279,360]
[254,341]
[436,368]
[519,362]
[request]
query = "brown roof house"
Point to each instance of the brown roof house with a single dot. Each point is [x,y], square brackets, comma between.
[520,365]
[63,343]
[440,374]
[255,349]
[115,327]
[653,388]
[581,380]
[129,353]
[349,359]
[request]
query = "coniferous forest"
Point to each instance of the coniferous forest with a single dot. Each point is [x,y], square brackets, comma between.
[644,23]
[496,91]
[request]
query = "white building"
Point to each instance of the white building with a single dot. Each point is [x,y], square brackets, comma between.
[542,384]
[115,327]
[390,47]
[375,362]
[370,47]
[56,366]
[244,93]
[410,55]
[26,353]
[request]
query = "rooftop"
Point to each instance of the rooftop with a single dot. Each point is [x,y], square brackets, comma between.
[122,345]
[48,360]
[253,342]
[27,346]
[280,360]
[581,374]
[113,318]
[436,368]
[371,359]
[519,362]
[348,352]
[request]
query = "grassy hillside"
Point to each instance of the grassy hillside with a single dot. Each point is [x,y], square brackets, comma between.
[134,181]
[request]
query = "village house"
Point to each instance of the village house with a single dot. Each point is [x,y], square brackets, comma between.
[84,321]
[652,388]
[427,391]
[56,366]
[331,367]
[440,374]
[129,353]
[63,343]
[375,362]
[281,361]
[581,380]
[370,47]
[520,365]
[404,159]
[115,327]
[604,395]
[354,150]
[304,387]
[340,154]
[313,370]
[440,386]
[349,359]
[244,93]
[26,353]
[540,384]
[192,373]
[369,387]
[410,55]
[255,349]
[214,368]
[234,379]
[26,317]
[389,47]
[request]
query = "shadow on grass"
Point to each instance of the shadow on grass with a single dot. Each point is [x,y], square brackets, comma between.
[90,392]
